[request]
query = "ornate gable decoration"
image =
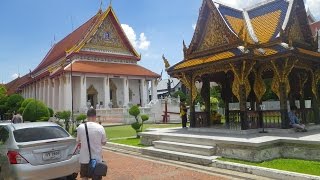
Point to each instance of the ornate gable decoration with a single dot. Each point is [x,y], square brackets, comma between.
[216,33]
[107,40]
[295,33]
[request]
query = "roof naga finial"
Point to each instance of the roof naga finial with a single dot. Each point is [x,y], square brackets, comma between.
[166,62]
[185,50]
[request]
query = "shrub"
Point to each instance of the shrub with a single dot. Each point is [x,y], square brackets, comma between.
[26,102]
[66,116]
[20,110]
[51,112]
[134,111]
[81,117]
[35,111]
[14,102]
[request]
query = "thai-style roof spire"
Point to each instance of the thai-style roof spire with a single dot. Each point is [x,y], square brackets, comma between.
[166,62]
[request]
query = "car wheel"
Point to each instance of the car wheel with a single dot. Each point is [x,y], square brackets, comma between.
[72,176]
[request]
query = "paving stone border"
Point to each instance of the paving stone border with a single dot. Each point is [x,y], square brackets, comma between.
[254,170]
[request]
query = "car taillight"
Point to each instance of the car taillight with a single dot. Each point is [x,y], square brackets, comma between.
[77,150]
[15,158]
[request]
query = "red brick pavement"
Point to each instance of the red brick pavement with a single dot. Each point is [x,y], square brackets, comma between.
[128,167]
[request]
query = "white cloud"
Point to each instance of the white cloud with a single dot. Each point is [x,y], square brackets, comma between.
[142,43]
[14,76]
[194,26]
[314,6]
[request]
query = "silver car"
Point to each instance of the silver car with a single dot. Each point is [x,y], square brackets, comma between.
[40,150]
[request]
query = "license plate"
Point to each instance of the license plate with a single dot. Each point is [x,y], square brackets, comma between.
[51,155]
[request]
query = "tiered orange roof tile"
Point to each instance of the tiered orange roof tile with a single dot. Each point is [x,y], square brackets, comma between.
[110,68]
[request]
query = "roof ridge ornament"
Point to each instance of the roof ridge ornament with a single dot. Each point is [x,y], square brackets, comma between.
[166,62]
[185,50]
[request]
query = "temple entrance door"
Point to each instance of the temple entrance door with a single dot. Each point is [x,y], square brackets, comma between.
[113,94]
[92,96]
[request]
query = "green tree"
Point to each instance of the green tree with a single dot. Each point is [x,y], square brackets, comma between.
[14,102]
[269,94]
[36,111]
[81,117]
[3,91]
[65,115]
[3,106]
[183,97]
[51,112]
[135,112]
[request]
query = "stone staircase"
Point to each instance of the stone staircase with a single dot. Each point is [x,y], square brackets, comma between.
[187,149]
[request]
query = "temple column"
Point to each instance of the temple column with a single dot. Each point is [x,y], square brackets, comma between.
[83,92]
[285,124]
[243,107]
[154,94]
[61,94]
[143,92]
[49,93]
[67,93]
[106,89]
[227,98]
[39,93]
[53,94]
[205,94]
[125,92]
[45,92]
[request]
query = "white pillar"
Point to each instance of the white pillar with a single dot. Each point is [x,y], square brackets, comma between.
[106,88]
[38,91]
[53,94]
[67,93]
[61,93]
[143,92]
[41,91]
[125,92]
[49,93]
[83,92]
[45,92]
[154,94]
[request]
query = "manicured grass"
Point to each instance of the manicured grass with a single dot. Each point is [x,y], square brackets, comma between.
[293,165]
[127,131]
[129,141]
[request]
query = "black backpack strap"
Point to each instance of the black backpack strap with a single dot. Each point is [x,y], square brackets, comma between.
[88,142]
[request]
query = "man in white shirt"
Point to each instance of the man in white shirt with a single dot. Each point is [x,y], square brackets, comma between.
[97,138]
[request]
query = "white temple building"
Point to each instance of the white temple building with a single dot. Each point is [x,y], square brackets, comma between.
[94,65]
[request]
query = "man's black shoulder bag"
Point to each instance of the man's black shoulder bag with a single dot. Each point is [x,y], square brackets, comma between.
[95,168]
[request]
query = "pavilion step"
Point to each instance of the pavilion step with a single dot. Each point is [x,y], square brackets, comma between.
[189,140]
[179,156]
[185,148]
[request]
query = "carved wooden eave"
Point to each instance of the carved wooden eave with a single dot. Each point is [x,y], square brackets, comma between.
[212,33]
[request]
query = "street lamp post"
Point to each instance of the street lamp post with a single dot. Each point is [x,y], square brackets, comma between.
[72,115]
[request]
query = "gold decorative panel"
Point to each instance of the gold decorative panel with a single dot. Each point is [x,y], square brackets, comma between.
[259,86]
[107,39]
[241,74]
[281,73]
[216,33]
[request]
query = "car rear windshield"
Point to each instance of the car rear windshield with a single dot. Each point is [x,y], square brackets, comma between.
[39,133]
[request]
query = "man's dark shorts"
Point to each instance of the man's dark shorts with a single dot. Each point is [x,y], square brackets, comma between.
[84,172]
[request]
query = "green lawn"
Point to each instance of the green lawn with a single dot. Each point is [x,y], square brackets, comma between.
[126,130]
[128,141]
[293,165]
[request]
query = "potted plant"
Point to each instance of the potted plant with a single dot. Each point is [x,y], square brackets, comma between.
[215,117]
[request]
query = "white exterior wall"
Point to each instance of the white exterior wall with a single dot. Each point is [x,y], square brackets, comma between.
[134,87]
[120,97]
[67,93]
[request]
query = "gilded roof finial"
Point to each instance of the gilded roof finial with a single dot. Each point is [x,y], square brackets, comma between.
[185,50]
[166,62]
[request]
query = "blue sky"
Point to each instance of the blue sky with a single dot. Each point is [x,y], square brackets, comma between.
[28,28]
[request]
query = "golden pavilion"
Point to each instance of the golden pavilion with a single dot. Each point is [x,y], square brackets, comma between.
[241,48]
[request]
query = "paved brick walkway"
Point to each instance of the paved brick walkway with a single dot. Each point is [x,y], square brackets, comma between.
[128,167]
